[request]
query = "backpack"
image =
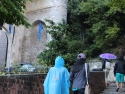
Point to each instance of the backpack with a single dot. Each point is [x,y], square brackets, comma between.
[107,65]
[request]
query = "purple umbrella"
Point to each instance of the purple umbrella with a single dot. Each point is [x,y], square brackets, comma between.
[107,56]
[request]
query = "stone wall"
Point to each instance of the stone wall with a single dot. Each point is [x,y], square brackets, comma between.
[26,46]
[14,49]
[22,84]
[97,64]
[39,10]
[33,83]
[97,82]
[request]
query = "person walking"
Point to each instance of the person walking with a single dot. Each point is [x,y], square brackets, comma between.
[106,68]
[119,71]
[103,63]
[78,77]
[57,79]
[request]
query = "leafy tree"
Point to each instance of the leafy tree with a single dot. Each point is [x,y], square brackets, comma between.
[60,45]
[105,23]
[75,20]
[12,12]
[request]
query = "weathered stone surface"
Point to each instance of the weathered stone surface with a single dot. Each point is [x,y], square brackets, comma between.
[26,46]
[98,64]
[22,84]
[97,82]
[33,83]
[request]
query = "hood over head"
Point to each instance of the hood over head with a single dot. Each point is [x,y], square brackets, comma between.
[121,57]
[59,62]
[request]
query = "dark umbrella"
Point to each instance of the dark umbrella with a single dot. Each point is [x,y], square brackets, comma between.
[107,56]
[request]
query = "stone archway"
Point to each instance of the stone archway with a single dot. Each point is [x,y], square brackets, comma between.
[31,45]
[3,49]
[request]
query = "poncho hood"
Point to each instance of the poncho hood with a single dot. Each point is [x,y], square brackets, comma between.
[59,62]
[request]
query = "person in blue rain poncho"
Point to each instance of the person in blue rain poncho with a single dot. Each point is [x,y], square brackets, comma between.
[57,79]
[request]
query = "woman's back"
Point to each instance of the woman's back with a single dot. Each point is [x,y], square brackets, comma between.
[79,78]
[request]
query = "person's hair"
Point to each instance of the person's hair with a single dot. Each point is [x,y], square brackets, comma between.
[78,65]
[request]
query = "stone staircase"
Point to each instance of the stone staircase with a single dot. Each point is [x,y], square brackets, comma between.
[111,89]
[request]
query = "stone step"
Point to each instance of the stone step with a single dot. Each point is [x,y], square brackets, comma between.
[114,90]
[113,86]
[113,93]
[111,89]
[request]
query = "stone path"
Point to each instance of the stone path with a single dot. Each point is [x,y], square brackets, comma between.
[111,89]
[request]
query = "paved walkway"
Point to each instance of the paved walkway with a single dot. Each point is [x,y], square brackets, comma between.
[111,89]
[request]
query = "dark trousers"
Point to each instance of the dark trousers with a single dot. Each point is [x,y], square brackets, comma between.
[80,91]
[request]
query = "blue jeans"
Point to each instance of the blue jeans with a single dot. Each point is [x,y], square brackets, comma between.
[80,91]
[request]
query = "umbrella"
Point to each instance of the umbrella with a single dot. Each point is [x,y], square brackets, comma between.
[107,56]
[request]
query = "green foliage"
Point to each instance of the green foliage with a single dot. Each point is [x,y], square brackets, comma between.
[104,23]
[93,27]
[12,12]
[60,44]
[74,46]
[75,20]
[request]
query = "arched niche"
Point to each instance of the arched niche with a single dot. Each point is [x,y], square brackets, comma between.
[3,49]
[31,45]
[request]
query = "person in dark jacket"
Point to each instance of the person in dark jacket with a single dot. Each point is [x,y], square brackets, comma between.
[78,75]
[119,71]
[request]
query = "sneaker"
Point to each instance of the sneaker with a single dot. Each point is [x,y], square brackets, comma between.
[117,89]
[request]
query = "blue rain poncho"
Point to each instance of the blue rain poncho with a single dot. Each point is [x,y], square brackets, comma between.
[57,79]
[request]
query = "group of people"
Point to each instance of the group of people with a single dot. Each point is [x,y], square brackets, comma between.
[58,79]
[119,71]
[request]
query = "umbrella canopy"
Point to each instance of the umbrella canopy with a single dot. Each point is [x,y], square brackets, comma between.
[107,56]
